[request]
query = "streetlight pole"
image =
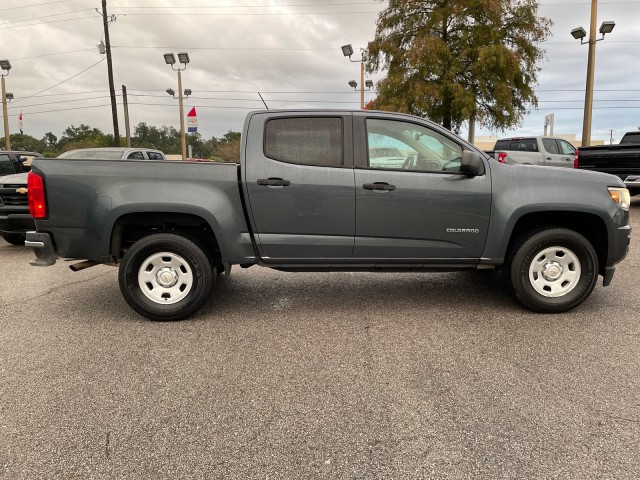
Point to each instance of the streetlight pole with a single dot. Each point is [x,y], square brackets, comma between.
[6,66]
[591,63]
[183,139]
[579,34]
[170,59]
[347,51]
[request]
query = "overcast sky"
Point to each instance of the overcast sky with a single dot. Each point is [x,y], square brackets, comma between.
[288,50]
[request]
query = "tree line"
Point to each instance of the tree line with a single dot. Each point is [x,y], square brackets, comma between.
[166,139]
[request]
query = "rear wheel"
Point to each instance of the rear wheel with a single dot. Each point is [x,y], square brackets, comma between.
[166,277]
[14,238]
[552,270]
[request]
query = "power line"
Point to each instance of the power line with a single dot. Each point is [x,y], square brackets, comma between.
[231,48]
[201,7]
[59,83]
[200,14]
[59,101]
[52,54]
[45,16]
[35,5]
[44,23]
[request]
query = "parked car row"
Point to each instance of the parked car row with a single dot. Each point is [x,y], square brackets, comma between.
[622,160]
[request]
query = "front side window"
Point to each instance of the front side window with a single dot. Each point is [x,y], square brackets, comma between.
[567,148]
[306,140]
[155,156]
[6,167]
[401,145]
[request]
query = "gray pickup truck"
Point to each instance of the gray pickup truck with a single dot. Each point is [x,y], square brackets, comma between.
[307,195]
[545,151]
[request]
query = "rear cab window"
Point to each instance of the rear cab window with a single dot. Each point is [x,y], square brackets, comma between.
[314,141]
[521,145]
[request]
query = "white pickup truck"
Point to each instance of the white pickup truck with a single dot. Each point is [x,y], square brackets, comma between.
[548,151]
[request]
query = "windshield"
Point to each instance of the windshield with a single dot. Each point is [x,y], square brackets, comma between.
[94,154]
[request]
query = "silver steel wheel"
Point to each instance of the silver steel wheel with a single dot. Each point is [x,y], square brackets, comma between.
[165,278]
[554,272]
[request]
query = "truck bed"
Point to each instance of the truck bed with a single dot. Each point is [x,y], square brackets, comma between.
[105,191]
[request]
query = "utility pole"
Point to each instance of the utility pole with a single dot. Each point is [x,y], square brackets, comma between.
[114,110]
[126,115]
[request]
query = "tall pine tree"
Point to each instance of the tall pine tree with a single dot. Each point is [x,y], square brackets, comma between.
[455,60]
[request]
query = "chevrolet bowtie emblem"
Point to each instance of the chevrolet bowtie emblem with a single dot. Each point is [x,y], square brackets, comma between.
[21,190]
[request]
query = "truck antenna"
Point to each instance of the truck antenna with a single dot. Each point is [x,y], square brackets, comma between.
[265,103]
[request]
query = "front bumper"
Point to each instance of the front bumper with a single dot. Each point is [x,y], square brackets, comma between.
[16,223]
[42,246]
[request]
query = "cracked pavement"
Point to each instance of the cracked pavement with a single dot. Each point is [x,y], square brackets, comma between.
[317,375]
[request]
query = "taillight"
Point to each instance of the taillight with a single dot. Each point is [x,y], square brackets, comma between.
[576,161]
[502,157]
[37,203]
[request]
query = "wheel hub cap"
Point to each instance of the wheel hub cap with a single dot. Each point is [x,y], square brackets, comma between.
[552,271]
[167,277]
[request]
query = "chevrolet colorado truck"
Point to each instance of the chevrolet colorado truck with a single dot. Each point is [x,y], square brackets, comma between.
[622,160]
[545,151]
[308,195]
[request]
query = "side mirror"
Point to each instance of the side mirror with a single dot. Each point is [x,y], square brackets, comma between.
[471,164]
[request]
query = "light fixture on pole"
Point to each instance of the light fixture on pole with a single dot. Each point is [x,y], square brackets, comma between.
[170,59]
[580,33]
[5,65]
[347,51]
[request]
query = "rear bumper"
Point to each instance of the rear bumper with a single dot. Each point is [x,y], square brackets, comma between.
[16,223]
[42,246]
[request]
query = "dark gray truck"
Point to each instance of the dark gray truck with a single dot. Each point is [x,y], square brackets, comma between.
[622,160]
[308,196]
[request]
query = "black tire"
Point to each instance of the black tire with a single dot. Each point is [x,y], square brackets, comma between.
[14,238]
[176,260]
[552,270]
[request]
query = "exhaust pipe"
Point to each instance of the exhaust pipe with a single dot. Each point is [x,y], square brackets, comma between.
[76,267]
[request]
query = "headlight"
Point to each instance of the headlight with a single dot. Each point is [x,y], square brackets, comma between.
[620,196]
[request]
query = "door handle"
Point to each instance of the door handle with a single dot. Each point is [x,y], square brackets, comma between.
[549,158]
[379,186]
[273,182]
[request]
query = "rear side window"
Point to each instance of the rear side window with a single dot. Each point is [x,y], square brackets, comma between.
[521,145]
[550,145]
[305,141]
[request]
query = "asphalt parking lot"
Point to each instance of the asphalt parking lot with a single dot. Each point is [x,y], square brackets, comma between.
[331,375]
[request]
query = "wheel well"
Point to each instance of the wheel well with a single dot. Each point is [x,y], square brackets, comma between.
[130,228]
[589,226]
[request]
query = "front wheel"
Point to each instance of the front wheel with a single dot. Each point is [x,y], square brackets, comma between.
[552,270]
[166,277]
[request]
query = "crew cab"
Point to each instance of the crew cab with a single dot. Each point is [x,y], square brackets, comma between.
[308,195]
[622,160]
[546,151]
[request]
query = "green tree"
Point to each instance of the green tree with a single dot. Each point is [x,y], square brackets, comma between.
[454,60]
[83,137]
[164,138]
